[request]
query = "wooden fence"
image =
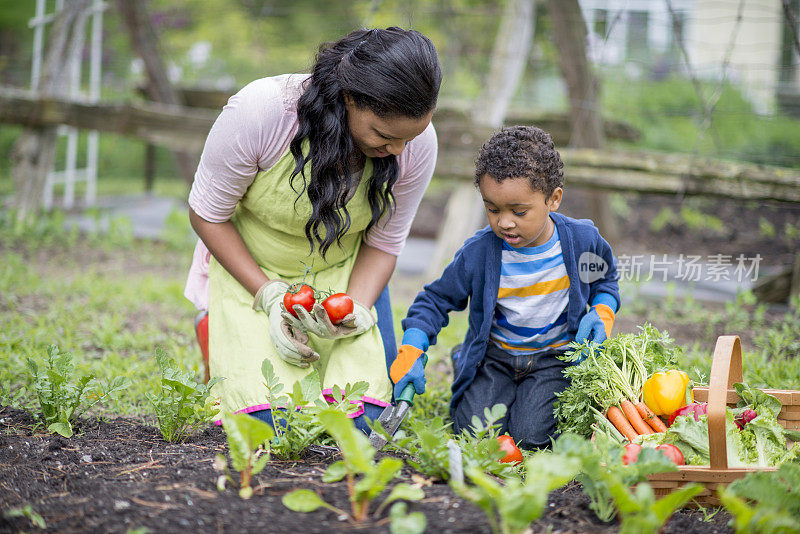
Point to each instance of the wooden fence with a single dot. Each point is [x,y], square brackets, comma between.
[185,128]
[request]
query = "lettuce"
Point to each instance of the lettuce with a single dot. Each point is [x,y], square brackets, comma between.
[762,442]
[761,402]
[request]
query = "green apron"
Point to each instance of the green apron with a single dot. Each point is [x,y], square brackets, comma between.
[272,226]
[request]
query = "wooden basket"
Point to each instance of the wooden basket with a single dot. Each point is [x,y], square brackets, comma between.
[726,369]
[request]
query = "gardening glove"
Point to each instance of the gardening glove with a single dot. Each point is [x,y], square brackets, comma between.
[409,366]
[596,325]
[318,323]
[290,343]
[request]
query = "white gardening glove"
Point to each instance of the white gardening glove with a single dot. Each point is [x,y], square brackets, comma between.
[290,343]
[318,323]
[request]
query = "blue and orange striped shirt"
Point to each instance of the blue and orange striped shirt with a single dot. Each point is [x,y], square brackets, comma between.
[531,311]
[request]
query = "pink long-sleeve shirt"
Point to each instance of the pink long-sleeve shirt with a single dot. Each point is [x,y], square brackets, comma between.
[251,134]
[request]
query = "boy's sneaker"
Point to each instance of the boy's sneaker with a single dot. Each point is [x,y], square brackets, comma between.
[201,329]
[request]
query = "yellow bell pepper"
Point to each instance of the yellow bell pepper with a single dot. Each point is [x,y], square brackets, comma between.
[665,392]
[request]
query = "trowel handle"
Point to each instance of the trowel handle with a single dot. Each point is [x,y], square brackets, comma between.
[408,392]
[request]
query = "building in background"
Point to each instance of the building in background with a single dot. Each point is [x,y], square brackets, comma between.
[644,37]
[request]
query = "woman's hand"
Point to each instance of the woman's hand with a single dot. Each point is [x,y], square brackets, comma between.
[290,343]
[318,323]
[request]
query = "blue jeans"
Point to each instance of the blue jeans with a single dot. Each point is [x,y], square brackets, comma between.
[527,385]
[370,410]
[386,327]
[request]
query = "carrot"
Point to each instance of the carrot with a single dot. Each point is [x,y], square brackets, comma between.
[635,419]
[650,418]
[615,415]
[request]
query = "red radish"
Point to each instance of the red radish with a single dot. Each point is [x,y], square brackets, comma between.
[695,409]
[745,417]
[631,453]
[672,452]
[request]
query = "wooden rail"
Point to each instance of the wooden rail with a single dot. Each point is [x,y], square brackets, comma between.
[185,128]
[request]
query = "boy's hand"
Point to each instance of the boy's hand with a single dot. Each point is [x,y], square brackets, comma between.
[596,325]
[408,366]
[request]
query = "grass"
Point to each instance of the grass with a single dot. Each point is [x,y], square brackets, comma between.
[109,305]
[111,301]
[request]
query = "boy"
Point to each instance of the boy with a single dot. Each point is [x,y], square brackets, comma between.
[534,281]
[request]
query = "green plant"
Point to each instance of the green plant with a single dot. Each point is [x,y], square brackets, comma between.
[765,228]
[601,467]
[641,511]
[512,506]
[366,478]
[296,429]
[708,513]
[425,442]
[765,501]
[59,397]
[696,221]
[26,511]
[182,404]
[247,436]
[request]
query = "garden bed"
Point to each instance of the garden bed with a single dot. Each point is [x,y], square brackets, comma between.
[118,474]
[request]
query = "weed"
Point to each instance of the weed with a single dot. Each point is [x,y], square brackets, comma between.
[59,397]
[26,511]
[182,404]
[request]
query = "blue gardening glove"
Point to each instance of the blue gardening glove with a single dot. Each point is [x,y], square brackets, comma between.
[596,325]
[408,366]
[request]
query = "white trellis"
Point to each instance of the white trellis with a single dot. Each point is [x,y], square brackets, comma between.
[71,174]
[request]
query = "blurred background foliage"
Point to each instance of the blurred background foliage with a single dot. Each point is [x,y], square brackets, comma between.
[224,44]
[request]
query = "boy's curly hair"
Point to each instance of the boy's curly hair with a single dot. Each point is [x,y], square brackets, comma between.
[522,151]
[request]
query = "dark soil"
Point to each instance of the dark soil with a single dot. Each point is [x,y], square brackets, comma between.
[119,474]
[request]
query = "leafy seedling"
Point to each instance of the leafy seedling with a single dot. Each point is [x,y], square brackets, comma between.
[765,501]
[247,437]
[296,429]
[425,442]
[511,507]
[601,467]
[183,404]
[59,397]
[366,478]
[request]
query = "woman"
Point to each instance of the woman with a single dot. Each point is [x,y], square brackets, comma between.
[320,173]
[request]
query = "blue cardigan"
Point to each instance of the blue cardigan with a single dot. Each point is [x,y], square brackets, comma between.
[473,277]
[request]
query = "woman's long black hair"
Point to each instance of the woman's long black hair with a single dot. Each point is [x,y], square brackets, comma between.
[391,72]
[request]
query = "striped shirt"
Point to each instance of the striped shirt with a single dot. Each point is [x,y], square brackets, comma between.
[531,311]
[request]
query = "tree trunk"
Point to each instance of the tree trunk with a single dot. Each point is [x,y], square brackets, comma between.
[569,36]
[510,52]
[159,88]
[33,153]
[464,212]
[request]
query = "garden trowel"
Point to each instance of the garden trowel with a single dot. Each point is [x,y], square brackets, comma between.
[392,416]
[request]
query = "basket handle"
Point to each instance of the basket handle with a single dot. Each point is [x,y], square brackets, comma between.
[726,369]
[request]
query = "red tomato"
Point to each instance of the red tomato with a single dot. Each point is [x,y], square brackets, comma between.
[303,295]
[507,445]
[631,453]
[672,452]
[338,306]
